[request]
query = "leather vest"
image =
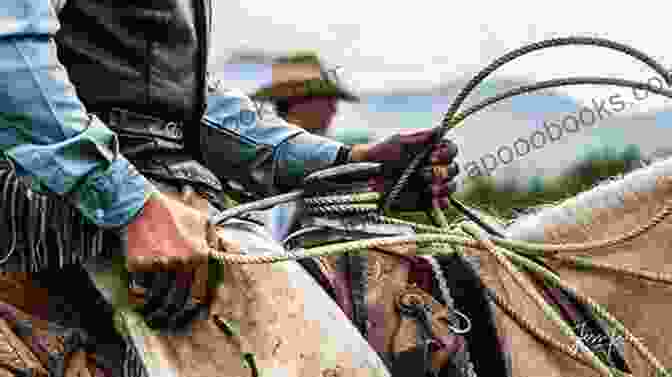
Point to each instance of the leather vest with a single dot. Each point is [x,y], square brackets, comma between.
[145,57]
[141,67]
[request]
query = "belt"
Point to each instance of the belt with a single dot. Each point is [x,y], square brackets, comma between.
[156,148]
[140,132]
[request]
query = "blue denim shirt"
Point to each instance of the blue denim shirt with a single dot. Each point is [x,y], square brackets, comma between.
[296,152]
[47,132]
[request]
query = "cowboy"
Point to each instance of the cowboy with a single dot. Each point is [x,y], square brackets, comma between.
[104,105]
[304,93]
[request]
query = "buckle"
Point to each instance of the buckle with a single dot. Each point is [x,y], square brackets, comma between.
[130,123]
[413,303]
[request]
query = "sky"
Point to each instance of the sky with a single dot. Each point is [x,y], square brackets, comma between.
[385,45]
[388,46]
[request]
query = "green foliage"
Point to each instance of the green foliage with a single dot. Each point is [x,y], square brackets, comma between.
[507,200]
[300,57]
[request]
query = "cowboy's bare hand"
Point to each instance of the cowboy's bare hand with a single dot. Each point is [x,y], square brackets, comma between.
[171,239]
[170,235]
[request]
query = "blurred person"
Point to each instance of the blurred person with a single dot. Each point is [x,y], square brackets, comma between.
[304,93]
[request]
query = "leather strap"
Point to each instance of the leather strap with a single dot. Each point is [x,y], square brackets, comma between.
[415,362]
[343,155]
[358,274]
[140,134]
[132,124]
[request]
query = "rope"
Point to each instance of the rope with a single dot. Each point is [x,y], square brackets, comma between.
[342,199]
[597,309]
[449,122]
[584,263]
[548,310]
[535,249]
[341,209]
[35,225]
[432,240]
[538,334]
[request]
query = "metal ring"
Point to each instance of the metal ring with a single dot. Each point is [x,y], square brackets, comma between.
[410,301]
[466,319]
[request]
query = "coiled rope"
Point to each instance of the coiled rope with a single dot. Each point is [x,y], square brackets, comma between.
[449,121]
[433,240]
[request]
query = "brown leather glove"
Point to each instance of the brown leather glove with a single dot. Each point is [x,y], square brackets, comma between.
[430,185]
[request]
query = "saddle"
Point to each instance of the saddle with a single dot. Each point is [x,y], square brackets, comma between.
[93,336]
[397,301]
[411,324]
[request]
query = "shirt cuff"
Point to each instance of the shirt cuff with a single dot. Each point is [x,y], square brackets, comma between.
[90,173]
[303,154]
[112,197]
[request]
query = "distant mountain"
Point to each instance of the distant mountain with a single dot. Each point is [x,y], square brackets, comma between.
[451,88]
[439,98]
[251,56]
[660,154]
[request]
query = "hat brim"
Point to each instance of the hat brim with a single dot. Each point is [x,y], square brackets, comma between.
[306,88]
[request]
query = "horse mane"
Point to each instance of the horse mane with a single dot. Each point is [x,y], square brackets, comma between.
[610,193]
[610,209]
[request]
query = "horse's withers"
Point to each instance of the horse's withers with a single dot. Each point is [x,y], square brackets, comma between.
[275,312]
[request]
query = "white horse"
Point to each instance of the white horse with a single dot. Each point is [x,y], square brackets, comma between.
[643,305]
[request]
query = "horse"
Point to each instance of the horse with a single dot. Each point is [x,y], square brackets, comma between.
[631,278]
[604,212]
[270,319]
[274,312]
[310,335]
[609,210]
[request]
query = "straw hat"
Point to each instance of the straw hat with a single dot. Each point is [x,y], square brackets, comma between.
[302,75]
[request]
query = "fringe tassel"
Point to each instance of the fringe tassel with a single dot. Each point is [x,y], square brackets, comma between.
[133,365]
[40,230]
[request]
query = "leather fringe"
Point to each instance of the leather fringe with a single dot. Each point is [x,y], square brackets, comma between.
[133,363]
[41,230]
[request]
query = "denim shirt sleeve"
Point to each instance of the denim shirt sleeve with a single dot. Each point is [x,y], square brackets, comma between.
[294,152]
[47,132]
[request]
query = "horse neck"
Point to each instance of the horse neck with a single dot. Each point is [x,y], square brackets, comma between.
[606,211]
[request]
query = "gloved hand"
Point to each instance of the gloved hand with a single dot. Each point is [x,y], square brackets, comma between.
[432,184]
[171,240]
